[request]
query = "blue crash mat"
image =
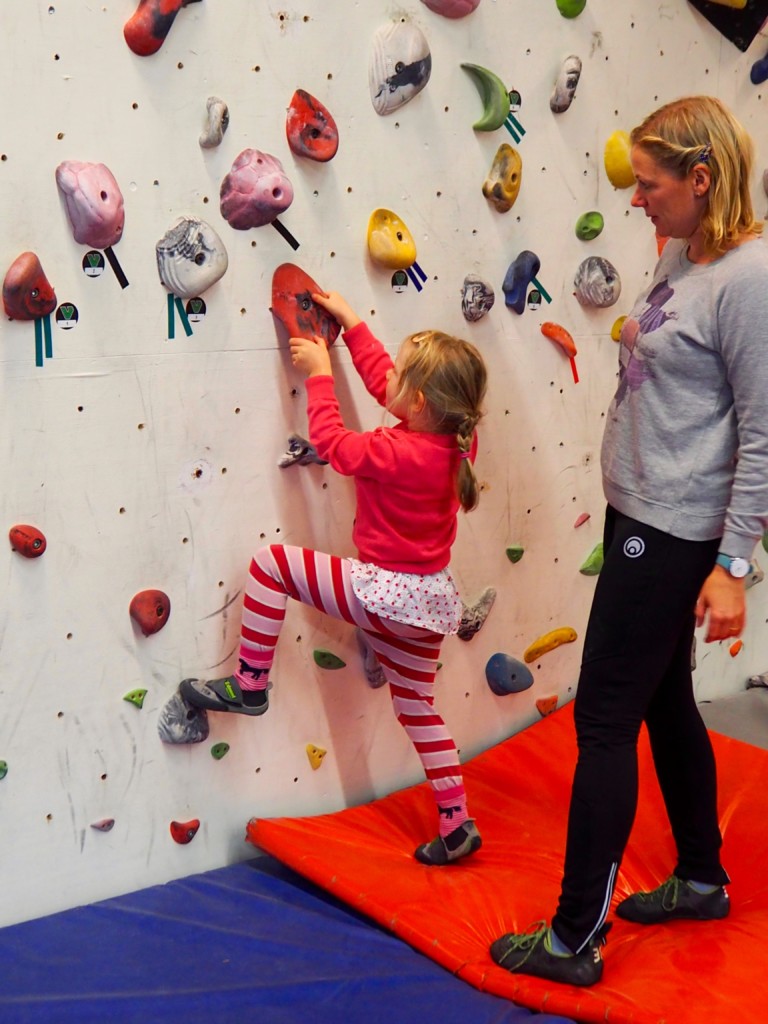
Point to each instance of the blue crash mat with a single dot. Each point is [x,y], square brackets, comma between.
[253,941]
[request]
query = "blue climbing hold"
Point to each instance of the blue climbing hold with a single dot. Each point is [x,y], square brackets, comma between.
[520,273]
[506,674]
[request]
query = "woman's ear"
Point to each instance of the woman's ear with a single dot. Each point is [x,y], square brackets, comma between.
[702,179]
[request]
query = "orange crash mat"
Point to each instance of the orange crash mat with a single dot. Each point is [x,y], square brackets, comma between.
[679,973]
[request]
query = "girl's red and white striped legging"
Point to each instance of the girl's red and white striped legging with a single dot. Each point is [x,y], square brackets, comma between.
[408,654]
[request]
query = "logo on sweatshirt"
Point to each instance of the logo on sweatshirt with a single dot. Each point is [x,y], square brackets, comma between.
[634,547]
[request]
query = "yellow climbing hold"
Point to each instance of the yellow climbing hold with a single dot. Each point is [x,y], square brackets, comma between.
[315,755]
[616,329]
[548,642]
[616,159]
[390,243]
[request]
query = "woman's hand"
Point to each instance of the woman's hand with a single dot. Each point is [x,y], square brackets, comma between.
[311,356]
[722,596]
[337,307]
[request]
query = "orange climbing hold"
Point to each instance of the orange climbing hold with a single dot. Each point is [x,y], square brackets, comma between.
[735,647]
[563,338]
[184,832]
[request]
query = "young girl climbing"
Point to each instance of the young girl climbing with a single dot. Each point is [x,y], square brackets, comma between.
[410,481]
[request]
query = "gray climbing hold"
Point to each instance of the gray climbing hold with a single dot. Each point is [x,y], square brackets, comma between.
[181,722]
[756,576]
[565,85]
[300,453]
[758,681]
[477,297]
[217,113]
[597,282]
[473,616]
[374,673]
[506,674]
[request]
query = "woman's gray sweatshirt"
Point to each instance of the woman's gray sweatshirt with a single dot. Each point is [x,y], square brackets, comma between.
[686,443]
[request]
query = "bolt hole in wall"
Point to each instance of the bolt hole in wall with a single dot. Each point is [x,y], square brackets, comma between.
[154,404]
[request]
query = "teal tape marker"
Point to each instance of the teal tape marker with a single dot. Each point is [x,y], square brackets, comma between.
[171,319]
[544,294]
[48,338]
[38,342]
[183,316]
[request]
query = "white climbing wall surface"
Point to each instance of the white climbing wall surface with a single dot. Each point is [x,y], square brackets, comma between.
[152,463]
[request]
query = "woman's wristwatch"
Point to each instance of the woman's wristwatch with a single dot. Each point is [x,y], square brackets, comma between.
[737,567]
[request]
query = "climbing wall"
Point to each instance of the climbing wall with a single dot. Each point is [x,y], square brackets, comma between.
[142,431]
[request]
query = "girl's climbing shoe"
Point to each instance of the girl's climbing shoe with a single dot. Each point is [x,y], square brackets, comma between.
[466,838]
[224,695]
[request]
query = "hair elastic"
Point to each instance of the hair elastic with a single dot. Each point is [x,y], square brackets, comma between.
[465,455]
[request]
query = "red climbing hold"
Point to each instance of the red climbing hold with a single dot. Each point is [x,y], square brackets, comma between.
[27,540]
[184,832]
[150,609]
[146,29]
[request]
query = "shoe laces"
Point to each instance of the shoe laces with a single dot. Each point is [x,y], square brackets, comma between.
[667,893]
[526,942]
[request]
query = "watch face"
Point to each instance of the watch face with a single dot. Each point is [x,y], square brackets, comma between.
[739,567]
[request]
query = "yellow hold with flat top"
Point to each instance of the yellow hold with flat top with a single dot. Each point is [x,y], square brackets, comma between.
[548,642]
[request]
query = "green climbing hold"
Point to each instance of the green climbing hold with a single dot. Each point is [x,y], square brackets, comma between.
[218,750]
[136,697]
[589,225]
[515,553]
[326,659]
[594,562]
[3,769]
[571,8]
[765,540]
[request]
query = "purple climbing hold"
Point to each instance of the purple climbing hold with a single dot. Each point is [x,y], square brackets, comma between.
[759,71]
[520,273]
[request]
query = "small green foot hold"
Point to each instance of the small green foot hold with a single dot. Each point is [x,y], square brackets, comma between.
[136,697]
[3,769]
[765,541]
[219,750]
[594,562]
[327,659]
[180,722]
[506,674]
[515,553]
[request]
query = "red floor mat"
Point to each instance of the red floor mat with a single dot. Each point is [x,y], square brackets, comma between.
[681,973]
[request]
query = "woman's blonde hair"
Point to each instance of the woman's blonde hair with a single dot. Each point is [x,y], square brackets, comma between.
[701,130]
[451,375]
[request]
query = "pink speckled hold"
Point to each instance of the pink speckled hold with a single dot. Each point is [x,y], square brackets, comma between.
[255,191]
[94,203]
[452,8]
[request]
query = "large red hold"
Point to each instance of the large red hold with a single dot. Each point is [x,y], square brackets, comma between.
[294,307]
[27,540]
[150,609]
[146,29]
[27,292]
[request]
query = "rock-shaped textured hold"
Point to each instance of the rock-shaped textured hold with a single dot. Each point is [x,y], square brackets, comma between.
[400,65]
[477,297]
[255,192]
[94,203]
[27,292]
[597,282]
[191,257]
[502,186]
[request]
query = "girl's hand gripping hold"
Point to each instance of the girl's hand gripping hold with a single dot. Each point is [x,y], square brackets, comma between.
[338,307]
[311,356]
